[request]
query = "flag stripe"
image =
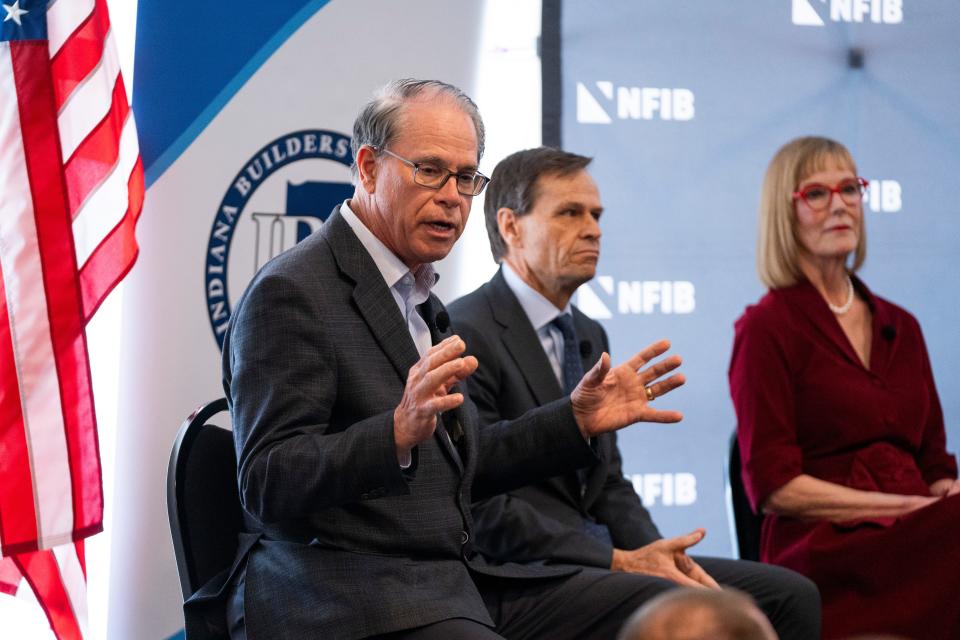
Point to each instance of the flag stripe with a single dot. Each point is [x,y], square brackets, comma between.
[110,261]
[79,55]
[68,558]
[27,318]
[59,417]
[63,18]
[97,154]
[99,214]
[18,523]
[18,528]
[65,313]
[41,571]
[81,549]
[9,576]
[90,102]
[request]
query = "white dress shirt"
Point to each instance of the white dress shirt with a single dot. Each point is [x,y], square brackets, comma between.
[408,289]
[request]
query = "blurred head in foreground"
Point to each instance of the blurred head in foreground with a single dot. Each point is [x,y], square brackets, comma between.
[698,614]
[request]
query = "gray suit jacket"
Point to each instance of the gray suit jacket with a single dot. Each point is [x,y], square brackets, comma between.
[315,363]
[544,522]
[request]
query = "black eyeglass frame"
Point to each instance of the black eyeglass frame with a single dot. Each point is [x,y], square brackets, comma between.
[479,180]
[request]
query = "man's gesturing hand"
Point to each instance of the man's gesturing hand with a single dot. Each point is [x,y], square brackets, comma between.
[427,393]
[607,399]
[666,559]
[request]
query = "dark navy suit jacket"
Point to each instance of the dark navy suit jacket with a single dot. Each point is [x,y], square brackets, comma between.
[543,522]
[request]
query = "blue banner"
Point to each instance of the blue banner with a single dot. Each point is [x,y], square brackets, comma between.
[683,106]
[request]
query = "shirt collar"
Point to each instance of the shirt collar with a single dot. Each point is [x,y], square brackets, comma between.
[388,264]
[539,310]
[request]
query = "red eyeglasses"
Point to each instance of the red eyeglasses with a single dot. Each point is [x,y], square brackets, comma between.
[818,196]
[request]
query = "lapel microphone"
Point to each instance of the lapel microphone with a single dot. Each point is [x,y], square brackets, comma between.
[888,332]
[585,348]
[442,321]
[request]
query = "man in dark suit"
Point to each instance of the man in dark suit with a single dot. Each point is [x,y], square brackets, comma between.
[542,213]
[358,455]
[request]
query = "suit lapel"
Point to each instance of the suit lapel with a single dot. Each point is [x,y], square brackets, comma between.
[522,342]
[371,295]
[451,421]
[590,349]
[380,311]
[596,475]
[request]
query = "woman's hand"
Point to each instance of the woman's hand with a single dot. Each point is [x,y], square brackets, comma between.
[945,487]
[814,499]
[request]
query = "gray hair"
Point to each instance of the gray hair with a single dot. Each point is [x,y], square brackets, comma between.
[376,125]
[513,185]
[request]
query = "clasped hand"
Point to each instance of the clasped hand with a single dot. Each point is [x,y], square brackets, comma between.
[666,559]
[945,488]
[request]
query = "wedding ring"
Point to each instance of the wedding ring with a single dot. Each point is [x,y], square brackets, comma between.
[650,395]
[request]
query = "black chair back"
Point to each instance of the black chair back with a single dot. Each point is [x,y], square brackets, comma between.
[747,523]
[203,502]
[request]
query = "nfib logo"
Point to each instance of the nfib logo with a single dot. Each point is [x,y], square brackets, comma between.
[635,297]
[632,103]
[667,489]
[884,196]
[805,12]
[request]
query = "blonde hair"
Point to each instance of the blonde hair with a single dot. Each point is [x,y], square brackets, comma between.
[777,247]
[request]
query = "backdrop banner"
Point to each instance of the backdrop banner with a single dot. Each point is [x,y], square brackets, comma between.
[245,114]
[683,105]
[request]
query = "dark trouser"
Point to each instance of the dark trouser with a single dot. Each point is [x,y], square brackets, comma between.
[591,604]
[595,603]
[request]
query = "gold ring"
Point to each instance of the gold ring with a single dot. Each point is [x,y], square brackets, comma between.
[650,395]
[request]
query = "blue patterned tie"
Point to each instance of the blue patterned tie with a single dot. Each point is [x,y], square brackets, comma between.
[572,367]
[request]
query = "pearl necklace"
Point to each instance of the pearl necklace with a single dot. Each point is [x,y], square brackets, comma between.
[842,309]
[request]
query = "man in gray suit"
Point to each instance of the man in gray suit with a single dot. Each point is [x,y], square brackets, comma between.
[543,222]
[358,453]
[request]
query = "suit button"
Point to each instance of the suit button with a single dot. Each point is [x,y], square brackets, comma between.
[464,537]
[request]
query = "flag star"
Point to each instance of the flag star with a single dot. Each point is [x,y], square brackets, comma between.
[14,12]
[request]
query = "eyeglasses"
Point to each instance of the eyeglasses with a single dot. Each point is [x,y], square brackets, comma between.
[818,196]
[429,175]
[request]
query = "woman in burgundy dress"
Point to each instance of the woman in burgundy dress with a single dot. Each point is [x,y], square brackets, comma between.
[839,422]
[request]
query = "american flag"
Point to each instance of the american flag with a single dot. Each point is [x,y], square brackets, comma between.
[71,191]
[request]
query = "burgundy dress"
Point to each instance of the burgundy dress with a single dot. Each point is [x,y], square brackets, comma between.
[806,404]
